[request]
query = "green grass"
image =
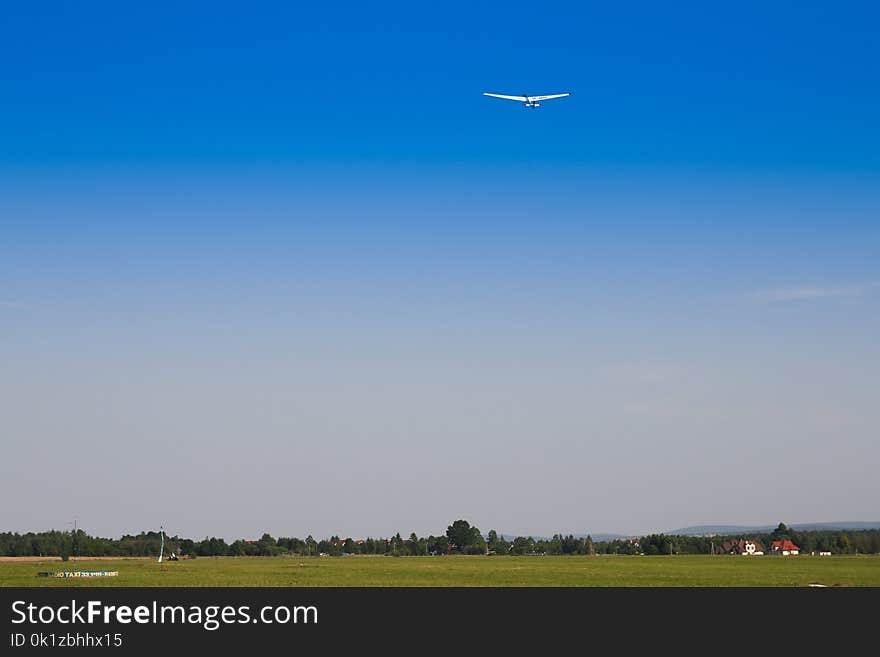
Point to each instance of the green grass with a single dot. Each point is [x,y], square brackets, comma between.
[462,571]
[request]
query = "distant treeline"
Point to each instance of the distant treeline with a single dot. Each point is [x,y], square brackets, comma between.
[460,538]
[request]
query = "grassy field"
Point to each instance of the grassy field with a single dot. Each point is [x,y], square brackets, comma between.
[462,571]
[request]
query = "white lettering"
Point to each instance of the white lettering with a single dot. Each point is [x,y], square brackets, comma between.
[19,612]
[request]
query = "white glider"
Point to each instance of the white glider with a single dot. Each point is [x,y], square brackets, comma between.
[528,101]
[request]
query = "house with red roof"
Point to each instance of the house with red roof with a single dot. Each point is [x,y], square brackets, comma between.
[784,548]
[743,546]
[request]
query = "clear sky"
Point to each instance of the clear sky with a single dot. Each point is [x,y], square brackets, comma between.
[285,269]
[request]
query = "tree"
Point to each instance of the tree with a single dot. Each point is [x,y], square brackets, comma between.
[437,544]
[463,536]
[781,532]
[415,545]
[496,544]
[523,545]
[478,543]
[267,546]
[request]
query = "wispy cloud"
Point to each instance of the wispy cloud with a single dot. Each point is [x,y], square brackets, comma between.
[807,292]
[10,304]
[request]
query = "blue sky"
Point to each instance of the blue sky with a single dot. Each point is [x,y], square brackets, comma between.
[293,253]
[746,85]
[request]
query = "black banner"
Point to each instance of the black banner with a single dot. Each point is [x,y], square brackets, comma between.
[129,619]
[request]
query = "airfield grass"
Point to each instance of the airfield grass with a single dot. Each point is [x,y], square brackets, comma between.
[605,571]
